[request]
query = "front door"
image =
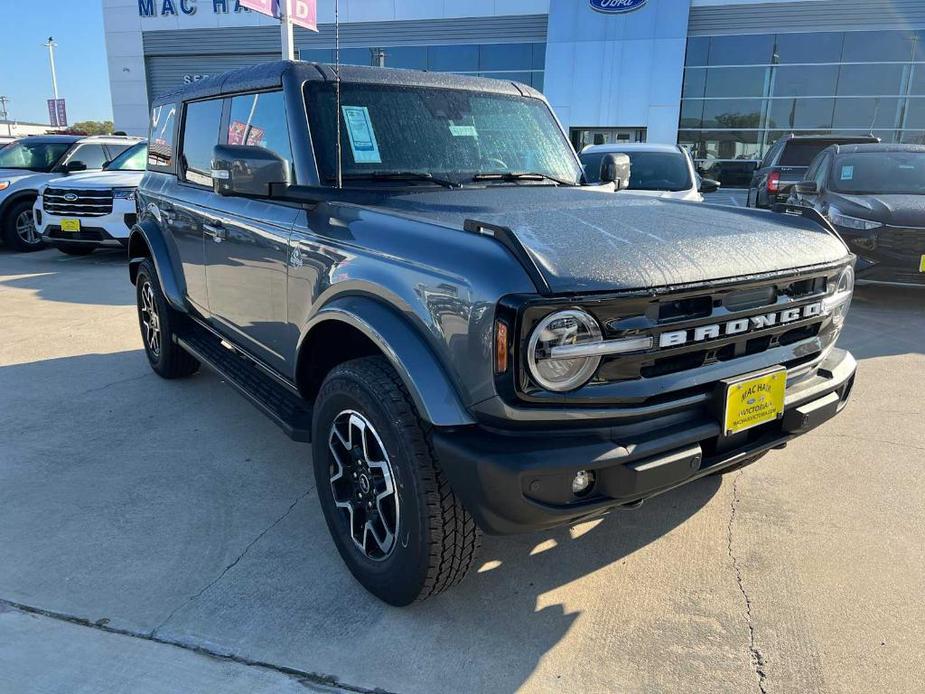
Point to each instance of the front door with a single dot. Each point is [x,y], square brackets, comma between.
[247,242]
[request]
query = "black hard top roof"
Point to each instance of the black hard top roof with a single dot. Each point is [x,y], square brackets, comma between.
[269,75]
[876,147]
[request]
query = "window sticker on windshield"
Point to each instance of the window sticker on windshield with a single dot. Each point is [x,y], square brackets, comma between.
[363,142]
[463,131]
[847,173]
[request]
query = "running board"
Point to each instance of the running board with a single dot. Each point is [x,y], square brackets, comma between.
[290,412]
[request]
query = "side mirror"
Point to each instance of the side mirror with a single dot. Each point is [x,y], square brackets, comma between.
[74,166]
[615,168]
[247,171]
[708,185]
[806,187]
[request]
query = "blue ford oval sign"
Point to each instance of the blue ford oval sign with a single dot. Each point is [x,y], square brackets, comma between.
[616,6]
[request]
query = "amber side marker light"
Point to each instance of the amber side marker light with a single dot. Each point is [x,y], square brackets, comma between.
[501,350]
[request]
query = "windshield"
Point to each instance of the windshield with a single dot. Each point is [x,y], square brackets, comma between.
[447,134]
[132,159]
[648,170]
[883,173]
[35,156]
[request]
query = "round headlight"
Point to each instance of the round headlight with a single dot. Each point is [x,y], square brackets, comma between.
[563,328]
[839,300]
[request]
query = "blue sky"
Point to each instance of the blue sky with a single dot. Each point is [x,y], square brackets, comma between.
[80,58]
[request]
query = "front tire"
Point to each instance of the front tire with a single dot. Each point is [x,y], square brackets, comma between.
[75,248]
[19,231]
[396,522]
[157,322]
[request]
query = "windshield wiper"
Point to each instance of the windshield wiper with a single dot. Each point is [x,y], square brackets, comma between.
[397,176]
[520,176]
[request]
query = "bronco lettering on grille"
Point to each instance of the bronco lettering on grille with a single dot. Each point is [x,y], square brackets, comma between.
[701,333]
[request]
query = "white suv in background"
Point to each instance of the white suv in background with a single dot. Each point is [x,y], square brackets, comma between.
[80,213]
[664,171]
[30,162]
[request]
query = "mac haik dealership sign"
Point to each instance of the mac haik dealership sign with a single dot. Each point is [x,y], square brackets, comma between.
[302,12]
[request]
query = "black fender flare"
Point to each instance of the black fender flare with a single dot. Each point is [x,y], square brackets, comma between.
[14,198]
[432,390]
[147,240]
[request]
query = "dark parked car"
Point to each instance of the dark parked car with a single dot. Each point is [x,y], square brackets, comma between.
[471,338]
[731,173]
[786,162]
[875,197]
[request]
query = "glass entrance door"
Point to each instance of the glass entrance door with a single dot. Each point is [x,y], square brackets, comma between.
[582,137]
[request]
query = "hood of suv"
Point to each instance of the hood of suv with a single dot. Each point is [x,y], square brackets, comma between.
[586,240]
[24,177]
[99,180]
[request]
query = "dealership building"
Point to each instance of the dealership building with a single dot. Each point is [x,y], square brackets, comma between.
[723,77]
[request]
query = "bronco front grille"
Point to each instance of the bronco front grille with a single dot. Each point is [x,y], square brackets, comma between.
[64,202]
[684,312]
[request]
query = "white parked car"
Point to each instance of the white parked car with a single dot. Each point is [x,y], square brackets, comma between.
[80,213]
[30,162]
[665,171]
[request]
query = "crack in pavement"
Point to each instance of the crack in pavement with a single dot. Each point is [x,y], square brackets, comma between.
[303,677]
[757,658]
[230,566]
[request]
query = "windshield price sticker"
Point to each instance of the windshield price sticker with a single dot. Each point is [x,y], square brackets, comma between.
[463,131]
[847,172]
[363,142]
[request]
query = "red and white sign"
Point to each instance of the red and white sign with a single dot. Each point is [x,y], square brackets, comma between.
[303,13]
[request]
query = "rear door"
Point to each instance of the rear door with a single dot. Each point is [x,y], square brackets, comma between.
[247,242]
[192,197]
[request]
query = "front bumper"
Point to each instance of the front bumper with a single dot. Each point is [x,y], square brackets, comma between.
[104,231]
[517,482]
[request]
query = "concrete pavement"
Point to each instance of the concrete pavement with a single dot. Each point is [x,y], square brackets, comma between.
[164,536]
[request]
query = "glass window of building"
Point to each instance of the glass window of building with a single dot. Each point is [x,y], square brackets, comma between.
[741,50]
[816,47]
[748,91]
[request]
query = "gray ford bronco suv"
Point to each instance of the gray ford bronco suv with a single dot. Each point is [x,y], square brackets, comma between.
[470,337]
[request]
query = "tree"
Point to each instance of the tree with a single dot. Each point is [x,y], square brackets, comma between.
[93,127]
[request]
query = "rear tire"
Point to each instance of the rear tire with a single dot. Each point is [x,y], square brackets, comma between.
[75,248]
[157,322]
[396,522]
[19,230]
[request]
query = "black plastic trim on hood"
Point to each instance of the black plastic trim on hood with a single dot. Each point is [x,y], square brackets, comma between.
[507,238]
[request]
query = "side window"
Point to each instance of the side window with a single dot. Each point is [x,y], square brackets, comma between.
[822,167]
[160,138]
[769,157]
[200,135]
[260,120]
[116,150]
[94,156]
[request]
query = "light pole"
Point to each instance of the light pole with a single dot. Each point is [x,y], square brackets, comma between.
[6,117]
[286,31]
[51,45]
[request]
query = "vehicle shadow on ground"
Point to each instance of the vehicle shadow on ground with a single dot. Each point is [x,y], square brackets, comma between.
[183,512]
[885,321]
[57,277]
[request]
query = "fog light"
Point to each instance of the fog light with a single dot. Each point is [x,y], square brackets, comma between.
[582,482]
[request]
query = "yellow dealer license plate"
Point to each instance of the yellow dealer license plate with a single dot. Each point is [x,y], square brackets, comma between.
[70,225]
[754,399]
[922,264]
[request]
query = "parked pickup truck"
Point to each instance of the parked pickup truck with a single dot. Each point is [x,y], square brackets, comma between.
[787,161]
[408,270]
